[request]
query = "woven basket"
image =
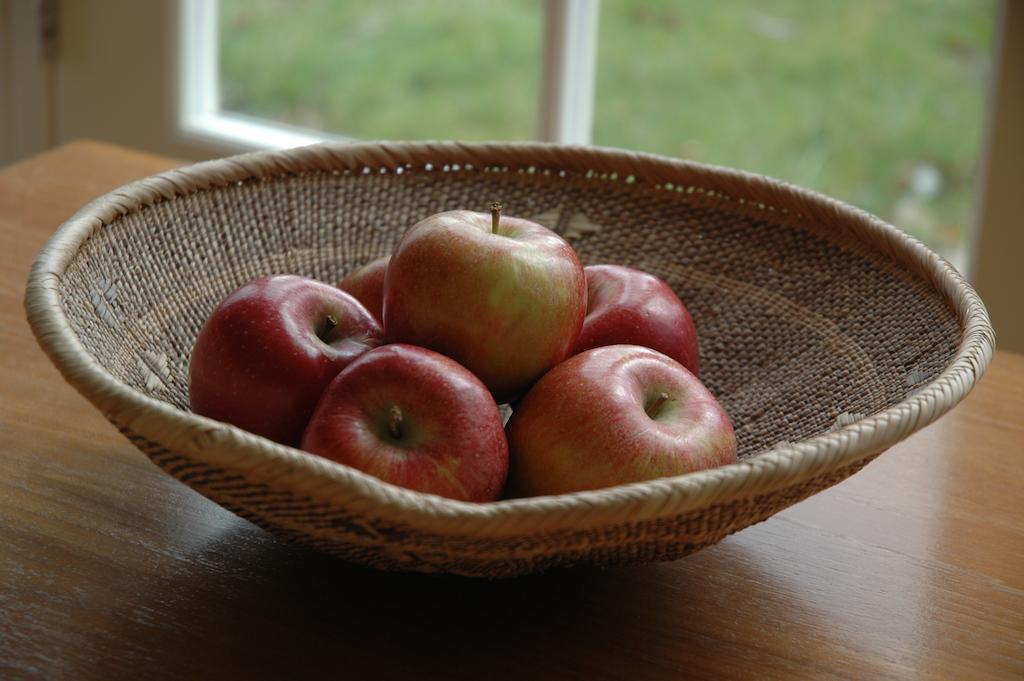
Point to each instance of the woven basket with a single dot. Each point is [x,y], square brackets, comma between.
[827,334]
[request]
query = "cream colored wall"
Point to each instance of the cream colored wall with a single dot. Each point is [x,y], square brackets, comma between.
[117,76]
[998,251]
[27,123]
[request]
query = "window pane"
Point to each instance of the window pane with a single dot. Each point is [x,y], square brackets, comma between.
[874,102]
[385,69]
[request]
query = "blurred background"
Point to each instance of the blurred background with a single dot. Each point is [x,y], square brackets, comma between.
[891,105]
[877,102]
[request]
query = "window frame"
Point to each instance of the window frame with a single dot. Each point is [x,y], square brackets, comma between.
[201,120]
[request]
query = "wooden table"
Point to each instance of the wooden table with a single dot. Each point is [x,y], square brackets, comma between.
[110,569]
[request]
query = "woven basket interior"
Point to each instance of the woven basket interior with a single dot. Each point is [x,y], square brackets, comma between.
[799,330]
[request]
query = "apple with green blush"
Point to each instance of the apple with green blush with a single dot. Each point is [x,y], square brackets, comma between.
[503,296]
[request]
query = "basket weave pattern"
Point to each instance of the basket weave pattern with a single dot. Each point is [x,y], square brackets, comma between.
[826,334]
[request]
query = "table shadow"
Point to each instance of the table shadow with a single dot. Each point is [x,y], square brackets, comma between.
[245,604]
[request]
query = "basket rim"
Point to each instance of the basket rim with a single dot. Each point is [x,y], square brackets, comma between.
[225,446]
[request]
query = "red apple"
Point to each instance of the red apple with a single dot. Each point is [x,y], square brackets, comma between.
[630,307]
[414,418]
[268,351]
[366,284]
[504,297]
[613,415]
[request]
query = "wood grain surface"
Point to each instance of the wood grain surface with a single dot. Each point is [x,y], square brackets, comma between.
[109,569]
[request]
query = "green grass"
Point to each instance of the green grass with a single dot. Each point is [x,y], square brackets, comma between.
[853,98]
[384,69]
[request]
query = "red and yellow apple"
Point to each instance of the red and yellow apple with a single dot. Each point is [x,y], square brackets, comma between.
[626,306]
[269,349]
[414,418]
[614,415]
[503,296]
[366,284]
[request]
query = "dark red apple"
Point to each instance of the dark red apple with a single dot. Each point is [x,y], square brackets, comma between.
[414,418]
[270,348]
[504,297]
[366,284]
[631,307]
[613,415]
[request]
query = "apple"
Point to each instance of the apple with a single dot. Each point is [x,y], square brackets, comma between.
[626,306]
[503,296]
[270,348]
[414,418]
[366,284]
[614,415]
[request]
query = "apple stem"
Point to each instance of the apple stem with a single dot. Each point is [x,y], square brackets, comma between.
[395,422]
[652,410]
[495,215]
[329,325]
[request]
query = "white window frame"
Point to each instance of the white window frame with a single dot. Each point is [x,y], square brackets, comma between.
[201,119]
[567,83]
[568,70]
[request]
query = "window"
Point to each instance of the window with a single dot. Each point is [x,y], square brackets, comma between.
[875,102]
